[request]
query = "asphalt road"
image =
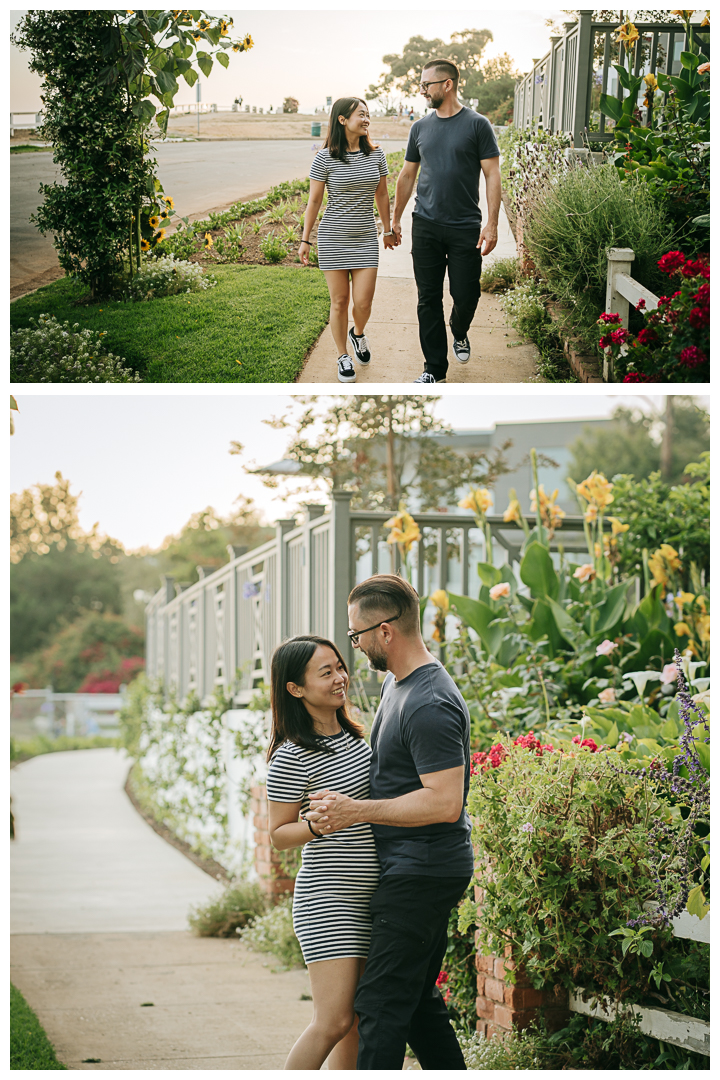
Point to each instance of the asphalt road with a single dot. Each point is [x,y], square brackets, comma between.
[200,177]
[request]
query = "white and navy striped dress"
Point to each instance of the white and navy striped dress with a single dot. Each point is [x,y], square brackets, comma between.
[347,236]
[339,872]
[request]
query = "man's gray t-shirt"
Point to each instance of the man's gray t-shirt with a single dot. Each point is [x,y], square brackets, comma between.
[422,726]
[450,150]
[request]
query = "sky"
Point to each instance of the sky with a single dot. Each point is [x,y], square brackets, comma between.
[311,55]
[144,464]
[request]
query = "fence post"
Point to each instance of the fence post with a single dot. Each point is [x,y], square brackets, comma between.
[583,72]
[282,526]
[342,572]
[619,262]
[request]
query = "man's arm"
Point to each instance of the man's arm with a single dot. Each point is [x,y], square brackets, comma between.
[493,190]
[439,799]
[403,190]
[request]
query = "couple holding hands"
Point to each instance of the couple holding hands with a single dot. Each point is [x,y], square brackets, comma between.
[453,144]
[385,837]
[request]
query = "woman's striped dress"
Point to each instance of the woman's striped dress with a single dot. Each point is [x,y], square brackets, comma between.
[347,235]
[339,872]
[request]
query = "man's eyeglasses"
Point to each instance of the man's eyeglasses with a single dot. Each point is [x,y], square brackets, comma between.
[424,86]
[354,635]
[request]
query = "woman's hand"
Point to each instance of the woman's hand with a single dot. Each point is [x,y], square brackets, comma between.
[390,241]
[304,252]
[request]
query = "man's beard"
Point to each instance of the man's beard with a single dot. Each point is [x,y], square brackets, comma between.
[436,102]
[376,659]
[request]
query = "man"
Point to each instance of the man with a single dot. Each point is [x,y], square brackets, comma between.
[452,144]
[419,778]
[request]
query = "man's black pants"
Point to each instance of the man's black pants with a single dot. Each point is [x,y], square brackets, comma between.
[397,1000]
[435,249]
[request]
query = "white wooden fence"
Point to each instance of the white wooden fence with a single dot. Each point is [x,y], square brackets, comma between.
[22,121]
[622,291]
[43,712]
[663,1024]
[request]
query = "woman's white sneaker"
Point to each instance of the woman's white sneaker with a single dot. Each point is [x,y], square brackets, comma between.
[346,371]
[360,347]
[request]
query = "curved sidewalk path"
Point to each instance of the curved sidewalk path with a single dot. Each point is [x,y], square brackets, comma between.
[499,354]
[99,915]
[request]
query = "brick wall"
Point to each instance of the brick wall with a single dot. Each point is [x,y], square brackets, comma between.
[503,1005]
[267,860]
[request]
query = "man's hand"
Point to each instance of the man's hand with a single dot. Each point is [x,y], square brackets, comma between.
[397,229]
[390,241]
[330,811]
[489,238]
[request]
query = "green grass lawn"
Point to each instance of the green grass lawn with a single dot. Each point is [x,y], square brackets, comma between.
[30,1047]
[255,326]
[30,149]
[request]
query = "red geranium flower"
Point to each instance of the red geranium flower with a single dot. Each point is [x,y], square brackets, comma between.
[640,306]
[610,317]
[699,317]
[671,262]
[696,268]
[692,357]
[647,336]
[637,376]
[702,296]
[619,336]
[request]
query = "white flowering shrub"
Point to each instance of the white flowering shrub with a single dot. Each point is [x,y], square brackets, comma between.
[524,304]
[53,352]
[168,276]
[273,933]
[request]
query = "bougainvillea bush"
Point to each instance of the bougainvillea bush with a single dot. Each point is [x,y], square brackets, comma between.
[674,344]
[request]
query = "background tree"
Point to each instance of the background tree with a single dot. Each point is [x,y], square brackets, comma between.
[290,105]
[95,653]
[382,447]
[633,444]
[102,70]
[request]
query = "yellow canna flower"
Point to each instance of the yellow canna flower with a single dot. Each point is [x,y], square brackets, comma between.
[513,511]
[684,598]
[663,563]
[440,599]
[682,629]
[683,13]
[404,530]
[478,500]
[703,627]
[617,526]
[628,33]
[591,514]
[651,82]
[584,573]
[596,490]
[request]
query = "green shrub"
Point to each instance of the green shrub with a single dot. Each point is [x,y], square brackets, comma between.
[273,932]
[30,1047]
[571,224]
[525,304]
[168,276]
[563,862]
[499,276]
[273,248]
[23,749]
[50,352]
[230,912]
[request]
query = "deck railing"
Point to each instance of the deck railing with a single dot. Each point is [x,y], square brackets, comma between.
[232,619]
[622,291]
[562,91]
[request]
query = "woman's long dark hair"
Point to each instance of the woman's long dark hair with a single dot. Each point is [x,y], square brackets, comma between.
[336,141]
[290,718]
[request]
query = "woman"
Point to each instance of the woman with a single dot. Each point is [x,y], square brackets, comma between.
[315,745]
[355,171]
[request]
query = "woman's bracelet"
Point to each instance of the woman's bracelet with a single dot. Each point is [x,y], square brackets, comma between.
[309,825]
[306,242]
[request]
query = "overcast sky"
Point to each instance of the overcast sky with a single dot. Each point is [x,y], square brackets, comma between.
[145,463]
[313,54]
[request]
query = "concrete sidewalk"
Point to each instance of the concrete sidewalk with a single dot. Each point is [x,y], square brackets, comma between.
[99,915]
[498,354]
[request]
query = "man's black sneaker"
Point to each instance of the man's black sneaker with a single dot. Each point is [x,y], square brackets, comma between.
[346,371]
[461,348]
[360,347]
[426,377]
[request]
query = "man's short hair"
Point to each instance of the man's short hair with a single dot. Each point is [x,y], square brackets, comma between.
[445,69]
[384,595]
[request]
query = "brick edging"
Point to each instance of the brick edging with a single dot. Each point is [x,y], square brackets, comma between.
[587,368]
[273,878]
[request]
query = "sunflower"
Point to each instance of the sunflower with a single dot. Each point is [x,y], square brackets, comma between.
[154,222]
[159,236]
[248,42]
[144,245]
[169,200]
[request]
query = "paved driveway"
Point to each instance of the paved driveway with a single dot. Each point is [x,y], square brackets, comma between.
[200,177]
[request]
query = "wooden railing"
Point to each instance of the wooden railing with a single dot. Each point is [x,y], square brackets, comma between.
[622,291]
[663,1024]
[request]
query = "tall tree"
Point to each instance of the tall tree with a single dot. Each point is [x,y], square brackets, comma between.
[634,443]
[383,447]
[465,49]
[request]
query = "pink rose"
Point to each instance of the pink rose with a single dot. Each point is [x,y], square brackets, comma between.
[606,696]
[500,590]
[669,673]
[605,648]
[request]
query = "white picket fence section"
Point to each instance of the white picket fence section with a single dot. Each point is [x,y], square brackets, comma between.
[22,121]
[622,291]
[663,1024]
